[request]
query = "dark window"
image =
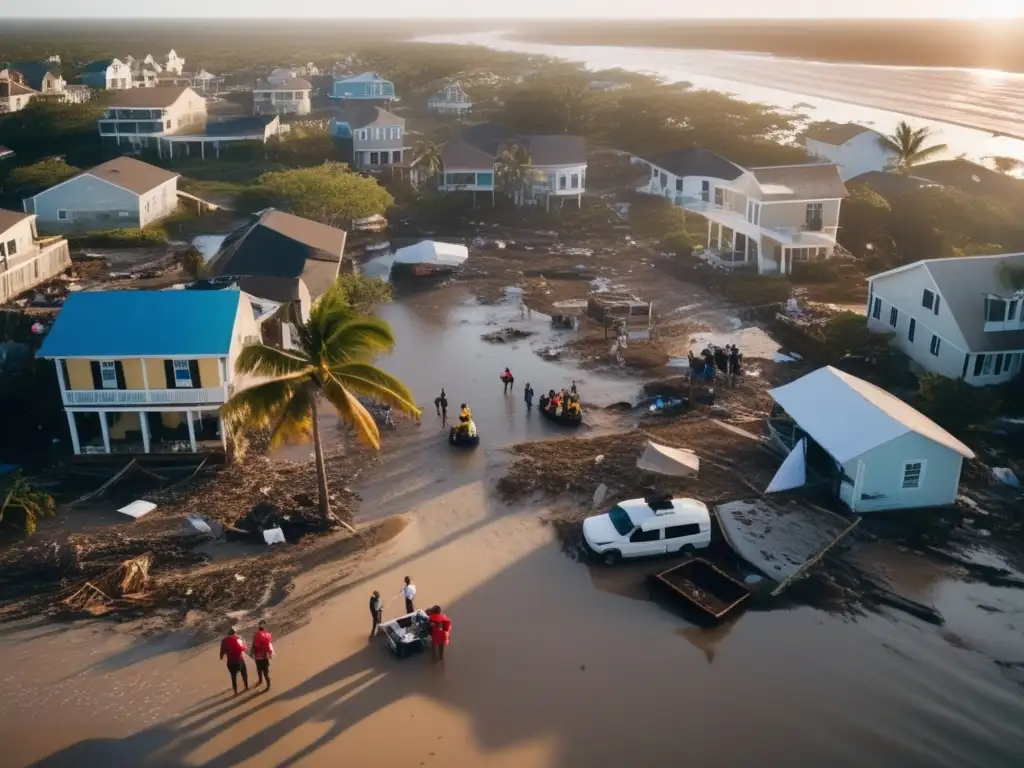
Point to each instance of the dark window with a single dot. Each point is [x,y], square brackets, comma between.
[934,347]
[894,317]
[375,158]
[678,531]
[995,311]
[1011,311]
[979,363]
[396,156]
[999,365]
[642,535]
[705,191]
[876,311]
[679,185]
[937,300]
[927,299]
[719,196]
[911,329]
[664,179]
[12,247]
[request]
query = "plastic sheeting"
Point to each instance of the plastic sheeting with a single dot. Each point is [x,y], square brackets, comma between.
[138,508]
[663,460]
[793,472]
[432,252]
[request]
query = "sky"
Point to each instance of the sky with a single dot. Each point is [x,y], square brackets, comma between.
[523,9]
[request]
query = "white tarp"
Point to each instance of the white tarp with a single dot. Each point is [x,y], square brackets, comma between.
[793,472]
[674,462]
[432,252]
[274,536]
[138,508]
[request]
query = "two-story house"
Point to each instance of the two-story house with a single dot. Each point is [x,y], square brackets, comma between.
[378,136]
[145,72]
[174,63]
[107,74]
[147,371]
[26,260]
[123,192]
[369,86]
[450,100]
[958,317]
[286,96]
[854,148]
[464,168]
[38,75]
[14,94]
[137,117]
[768,218]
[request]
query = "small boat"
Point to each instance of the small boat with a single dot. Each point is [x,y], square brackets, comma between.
[462,439]
[565,418]
[701,585]
[407,634]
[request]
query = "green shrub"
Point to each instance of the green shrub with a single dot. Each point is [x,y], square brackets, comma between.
[118,238]
[955,404]
[680,243]
[815,272]
[847,334]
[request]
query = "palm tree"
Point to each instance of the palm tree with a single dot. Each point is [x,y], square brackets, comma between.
[428,158]
[19,495]
[513,169]
[909,147]
[1006,165]
[192,261]
[333,361]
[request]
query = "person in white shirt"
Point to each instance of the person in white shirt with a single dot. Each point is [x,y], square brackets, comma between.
[409,592]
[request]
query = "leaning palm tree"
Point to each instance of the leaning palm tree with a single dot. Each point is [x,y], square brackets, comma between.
[333,361]
[22,506]
[513,169]
[427,157]
[909,147]
[1006,165]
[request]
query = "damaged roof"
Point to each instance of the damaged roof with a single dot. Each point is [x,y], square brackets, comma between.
[806,181]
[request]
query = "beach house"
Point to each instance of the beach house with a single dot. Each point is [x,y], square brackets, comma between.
[369,86]
[140,116]
[854,148]
[378,137]
[450,100]
[26,259]
[282,96]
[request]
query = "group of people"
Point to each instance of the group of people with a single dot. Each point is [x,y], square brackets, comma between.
[727,359]
[233,648]
[564,401]
[466,422]
[440,624]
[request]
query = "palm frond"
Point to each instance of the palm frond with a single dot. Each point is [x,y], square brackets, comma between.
[370,381]
[352,413]
[260,405]
[271,362]
[357,339]
[921,155]
[294,421]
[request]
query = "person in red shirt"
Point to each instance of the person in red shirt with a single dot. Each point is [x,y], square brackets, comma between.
[262,653]
[233,647]
[440,631]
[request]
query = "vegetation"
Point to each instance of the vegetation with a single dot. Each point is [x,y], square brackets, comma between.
[28,179]
[119,238]
[427,157]
[329,193]
[192,261]
[334,362]
[680,243]
[512,167]
[655,217]
[910,146]
[954,403]
[1006,165]
[363,293]
[21,506]
[848,334]
[47,128]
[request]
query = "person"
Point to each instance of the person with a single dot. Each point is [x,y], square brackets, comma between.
[572,389]
[734,360]
[262,653]
[556,400]
[507,379]
[528,395]
[441,404]
[233,647]
[440,631]
[376,612]
[465,415]
[409,593]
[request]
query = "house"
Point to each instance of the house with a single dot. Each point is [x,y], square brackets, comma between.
[282,257]
[378,136]
[37,75]
[973,179]
[14,95]
[466,168]
[958,317]
[766,218]
[288,96]
[201,82]
[145,73]
[108,75]
[854,148]
[875,451]
[309,70]
[174,63]
[139,116]
[208,139]
[369,86]
[147,371]
[279,75]
[123,192]
[26,260]
[450,100]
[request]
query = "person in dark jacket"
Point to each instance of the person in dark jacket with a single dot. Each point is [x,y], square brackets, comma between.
[528,395]
[376,611]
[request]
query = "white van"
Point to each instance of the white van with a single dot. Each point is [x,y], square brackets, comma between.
[645,527]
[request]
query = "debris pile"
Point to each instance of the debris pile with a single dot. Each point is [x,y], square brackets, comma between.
[506,335]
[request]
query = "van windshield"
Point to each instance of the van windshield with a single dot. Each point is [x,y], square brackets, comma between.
[621,520]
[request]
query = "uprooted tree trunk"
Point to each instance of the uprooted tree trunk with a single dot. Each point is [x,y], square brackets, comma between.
[323,498]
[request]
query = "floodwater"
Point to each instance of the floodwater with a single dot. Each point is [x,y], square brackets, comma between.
[552,663]
[976,112]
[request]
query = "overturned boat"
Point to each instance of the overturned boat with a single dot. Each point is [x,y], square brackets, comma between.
[428,258]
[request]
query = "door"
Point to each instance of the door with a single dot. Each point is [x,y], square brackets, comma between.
[644,543]
[679,536]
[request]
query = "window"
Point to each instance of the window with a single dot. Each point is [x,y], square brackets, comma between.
[182,373]
[679,185]
[876,311]
[664,179]
[719,196]
[654,172]
[574,181]
[396,132]
[1011,309]
[934,346]
[705,191]
[814,216]
[396,156]
[561,182]
[168,125]
[62,215]
[362,134]
[911,329]
[678,531]
[641,535]
[375,158]
[999,365]
[995,310]
[894,317]
[621,520]
[1012,362]
[12,247]
[108,375]
[912,474]
[986,367]
[927,299]
[979,364]
[937,305]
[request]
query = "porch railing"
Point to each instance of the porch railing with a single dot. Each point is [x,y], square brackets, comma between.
[204,396]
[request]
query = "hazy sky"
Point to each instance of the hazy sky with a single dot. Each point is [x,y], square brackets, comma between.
[637,9]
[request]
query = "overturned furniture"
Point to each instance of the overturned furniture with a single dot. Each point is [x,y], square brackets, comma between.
[714,593]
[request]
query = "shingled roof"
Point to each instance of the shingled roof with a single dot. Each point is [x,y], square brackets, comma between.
[807,181]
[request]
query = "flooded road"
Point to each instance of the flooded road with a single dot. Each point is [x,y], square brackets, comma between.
[552,663]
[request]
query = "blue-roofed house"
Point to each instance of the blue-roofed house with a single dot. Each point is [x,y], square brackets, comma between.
[369,86]
[147,371]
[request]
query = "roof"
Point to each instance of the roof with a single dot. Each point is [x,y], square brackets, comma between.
[460,154]
[432,252]
[9,218]
[10,88]
[971,178]
[176,324]
[807,181]
[34,72]
[836,134]
[131,174]
[889,184]
[963,283]
[240,126]
[697,161]
[684,510]
[365,77]
[849,417]
[557,149]
[361,115]
[485,137]
[281,245]
[288,84]
[147,98]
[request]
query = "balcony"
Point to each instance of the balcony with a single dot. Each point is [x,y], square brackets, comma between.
[725,258]
[144,397]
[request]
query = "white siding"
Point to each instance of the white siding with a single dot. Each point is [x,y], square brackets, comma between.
[859,155]
[21,235]
[159,202]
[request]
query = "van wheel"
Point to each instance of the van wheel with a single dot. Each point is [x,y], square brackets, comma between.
[687,549]
[612,556]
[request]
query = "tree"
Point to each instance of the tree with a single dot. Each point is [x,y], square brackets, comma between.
[909,146]
[847,334]
[427,158]
[46,127]
[513,169]
[655,217]
[1006,165]
[863,220]
[22,506]
[334,362]
[192,261]
[680,243]
[41,175]
[329,193]
[363,293]
[954,403]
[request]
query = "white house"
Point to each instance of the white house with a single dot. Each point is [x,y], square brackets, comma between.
[108,75]
[450,100]
[879,453]
[26,260]
[958,317]
[123,192]
[14,95]
[287,96]
[138,117]
[854,148]
[766,218]
[174,63]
